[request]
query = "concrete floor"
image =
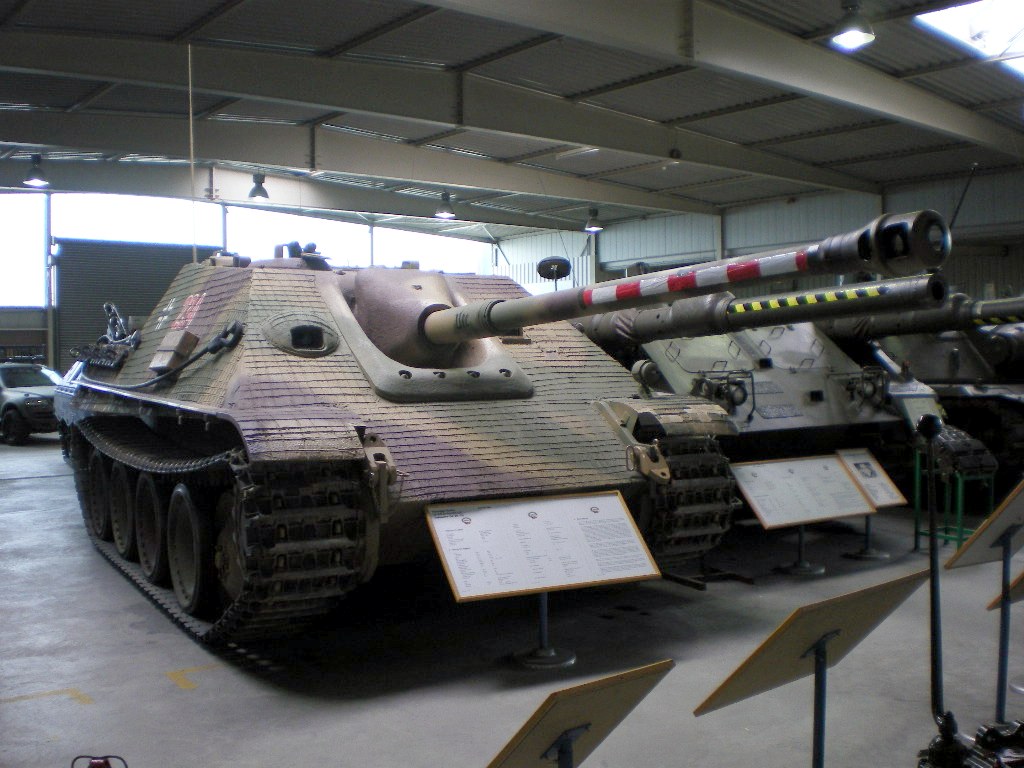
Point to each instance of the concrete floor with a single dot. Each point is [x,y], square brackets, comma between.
[405,677]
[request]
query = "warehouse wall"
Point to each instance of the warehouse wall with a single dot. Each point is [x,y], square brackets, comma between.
[524,253]
[660,242]
[132,276]
[993,206]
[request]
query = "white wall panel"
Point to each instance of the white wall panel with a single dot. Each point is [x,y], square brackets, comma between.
[780,224]
[660,242]
[524,253]
[986,272]
[993,206]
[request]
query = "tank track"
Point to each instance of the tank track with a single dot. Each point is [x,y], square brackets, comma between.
[301,534]
[692,512]
[957,451]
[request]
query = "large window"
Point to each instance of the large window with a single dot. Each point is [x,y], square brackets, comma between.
[134,219]
[23,255]
[249,232]
[254,233]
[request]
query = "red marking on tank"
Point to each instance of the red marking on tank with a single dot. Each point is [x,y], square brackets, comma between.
[682,282]
[801,260]
[588,297]
[746,270]
[627,291]
[189,308]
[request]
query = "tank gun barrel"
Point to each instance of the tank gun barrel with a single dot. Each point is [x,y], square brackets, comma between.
[723,312]
[895,245]
[958,313]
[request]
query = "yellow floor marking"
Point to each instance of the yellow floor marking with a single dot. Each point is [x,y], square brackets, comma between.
[74,693]
[180,676]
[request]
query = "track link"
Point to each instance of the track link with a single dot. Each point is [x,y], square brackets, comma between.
[298,539]
[694,510]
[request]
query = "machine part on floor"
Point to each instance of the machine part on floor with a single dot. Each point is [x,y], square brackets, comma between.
[299,447]
[98,762]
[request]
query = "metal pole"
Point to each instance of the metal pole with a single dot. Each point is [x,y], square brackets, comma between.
[930,426]
[1004,627]
[820,672]
[51,329]
[820,651]
[543,638]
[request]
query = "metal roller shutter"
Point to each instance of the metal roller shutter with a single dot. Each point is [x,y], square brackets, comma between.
[132,276]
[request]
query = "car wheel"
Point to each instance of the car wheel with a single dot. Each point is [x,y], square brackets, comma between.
[14,428]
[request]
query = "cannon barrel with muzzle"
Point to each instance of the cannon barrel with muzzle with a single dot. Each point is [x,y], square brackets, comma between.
[722,312]
[891,245]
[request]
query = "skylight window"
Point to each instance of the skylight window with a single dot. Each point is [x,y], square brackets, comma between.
[993,28]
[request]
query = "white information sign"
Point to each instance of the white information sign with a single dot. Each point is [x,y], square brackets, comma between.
[871,477]
[518,546]
[798,491]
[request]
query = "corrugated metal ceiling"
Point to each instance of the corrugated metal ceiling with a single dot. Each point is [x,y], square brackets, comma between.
[501,106]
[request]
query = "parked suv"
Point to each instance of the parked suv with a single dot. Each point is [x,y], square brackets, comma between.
[26,400]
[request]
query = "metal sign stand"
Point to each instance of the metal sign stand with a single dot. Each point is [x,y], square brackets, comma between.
[544,656]
[867,552]
[998,538]
[820,652]
[801,567]
[945,749]
[571,723]
[811,640]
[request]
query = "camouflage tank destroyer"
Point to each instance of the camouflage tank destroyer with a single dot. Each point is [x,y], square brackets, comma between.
[275,430]
[971,352]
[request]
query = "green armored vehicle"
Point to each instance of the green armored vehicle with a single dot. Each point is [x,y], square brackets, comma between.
[970,352]
[275,430]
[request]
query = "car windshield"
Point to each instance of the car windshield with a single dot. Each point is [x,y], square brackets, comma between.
[28,376]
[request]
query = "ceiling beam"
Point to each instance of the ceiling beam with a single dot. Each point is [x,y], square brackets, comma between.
[290,194]
[288,147]
[405,92]
[699,32]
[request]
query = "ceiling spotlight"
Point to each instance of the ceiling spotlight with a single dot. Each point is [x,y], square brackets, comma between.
[854,31]
[258,190]
[593,224]
[445,210]
[36,178]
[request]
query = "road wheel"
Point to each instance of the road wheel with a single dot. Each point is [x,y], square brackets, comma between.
[189,551]
[13,428]
[99,496]
[150,528]
[122,510]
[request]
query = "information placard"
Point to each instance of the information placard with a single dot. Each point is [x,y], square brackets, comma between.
[518,546]
[871,477]
[790,492]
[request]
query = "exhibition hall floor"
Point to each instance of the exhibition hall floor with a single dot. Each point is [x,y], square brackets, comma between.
[403,676]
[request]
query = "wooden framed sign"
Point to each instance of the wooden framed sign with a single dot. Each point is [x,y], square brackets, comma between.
[871,477]
[789,492]
[518,546]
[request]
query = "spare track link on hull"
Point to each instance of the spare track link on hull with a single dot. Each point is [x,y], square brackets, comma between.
[693,511]
[303,540]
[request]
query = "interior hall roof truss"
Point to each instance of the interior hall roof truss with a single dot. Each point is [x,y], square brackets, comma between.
[527,113]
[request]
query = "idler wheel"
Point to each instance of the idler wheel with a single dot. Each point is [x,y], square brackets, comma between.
[150,528]
[122,510]
[189,553]
[99,496]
